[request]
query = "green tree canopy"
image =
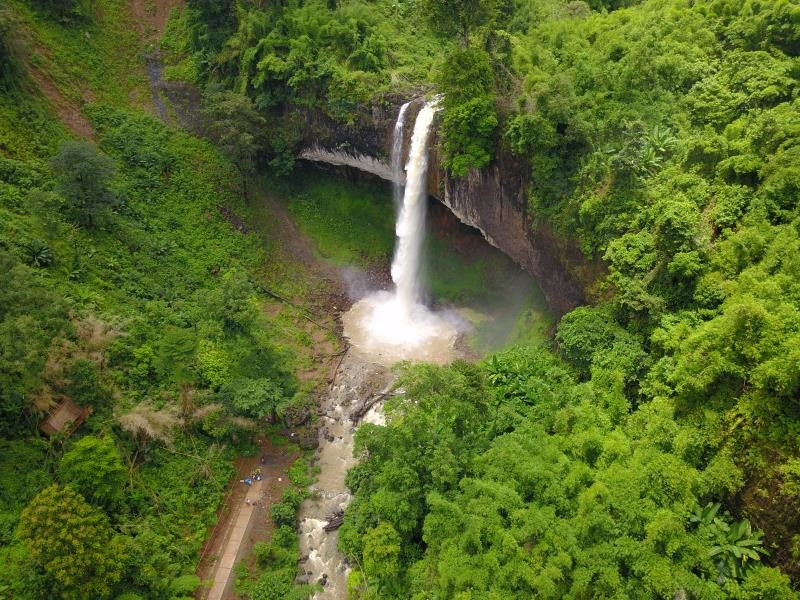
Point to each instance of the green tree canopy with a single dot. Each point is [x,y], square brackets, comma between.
[382,554]
[237,128]
[470,120]
[72,544]
[459,19]
[93,466]
[254,398]
[83,176]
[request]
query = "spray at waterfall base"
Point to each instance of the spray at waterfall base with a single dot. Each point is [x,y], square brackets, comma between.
[388,327]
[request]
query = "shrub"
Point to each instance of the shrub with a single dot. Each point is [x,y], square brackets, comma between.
[285,512]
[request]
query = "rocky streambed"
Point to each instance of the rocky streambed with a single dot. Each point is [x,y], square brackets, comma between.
[355,394]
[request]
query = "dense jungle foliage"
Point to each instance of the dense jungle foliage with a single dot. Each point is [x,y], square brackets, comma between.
[652,450]
[642,457]
[124,288]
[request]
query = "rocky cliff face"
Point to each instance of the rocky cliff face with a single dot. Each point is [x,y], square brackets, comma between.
[494,200]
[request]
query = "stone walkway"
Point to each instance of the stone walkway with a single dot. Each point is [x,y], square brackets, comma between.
[237,529]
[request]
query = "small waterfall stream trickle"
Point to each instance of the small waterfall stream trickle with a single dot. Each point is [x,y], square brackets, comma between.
[398,179]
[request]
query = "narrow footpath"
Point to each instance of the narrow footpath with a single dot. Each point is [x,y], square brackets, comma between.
[238,527]
[244,519]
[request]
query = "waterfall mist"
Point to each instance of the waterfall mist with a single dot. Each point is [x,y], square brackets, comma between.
[394,326]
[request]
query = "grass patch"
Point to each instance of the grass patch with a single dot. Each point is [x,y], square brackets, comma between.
[528,321]
[452,277]
[27,127]
[504,304]
[350,223]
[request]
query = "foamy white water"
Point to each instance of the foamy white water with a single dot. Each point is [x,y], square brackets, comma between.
[380,330]
[321,561]
[390,327]
[411,220]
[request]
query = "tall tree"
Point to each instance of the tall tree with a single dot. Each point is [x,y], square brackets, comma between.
[84,177]
[461,18]
[234,125]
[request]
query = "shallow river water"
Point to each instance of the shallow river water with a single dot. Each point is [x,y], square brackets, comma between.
[356,380]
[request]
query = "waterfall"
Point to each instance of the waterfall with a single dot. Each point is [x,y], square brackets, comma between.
[397,156]
[387,327]
[411,220]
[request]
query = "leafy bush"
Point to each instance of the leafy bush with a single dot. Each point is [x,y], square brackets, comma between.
[255,398]
[185,585]
[68,11]
[468,130]
[284,512]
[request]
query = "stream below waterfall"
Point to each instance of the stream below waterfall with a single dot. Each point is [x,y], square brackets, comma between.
[355,381]
[356,384]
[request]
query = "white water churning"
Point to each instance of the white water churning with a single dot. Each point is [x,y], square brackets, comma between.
[389,327]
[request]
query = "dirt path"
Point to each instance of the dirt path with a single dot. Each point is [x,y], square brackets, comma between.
[31,51]
[244,518]
[69,113]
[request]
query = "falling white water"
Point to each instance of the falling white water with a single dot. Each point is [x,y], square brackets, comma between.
[398,178]
[383,328]
[389,327]
[411,220]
